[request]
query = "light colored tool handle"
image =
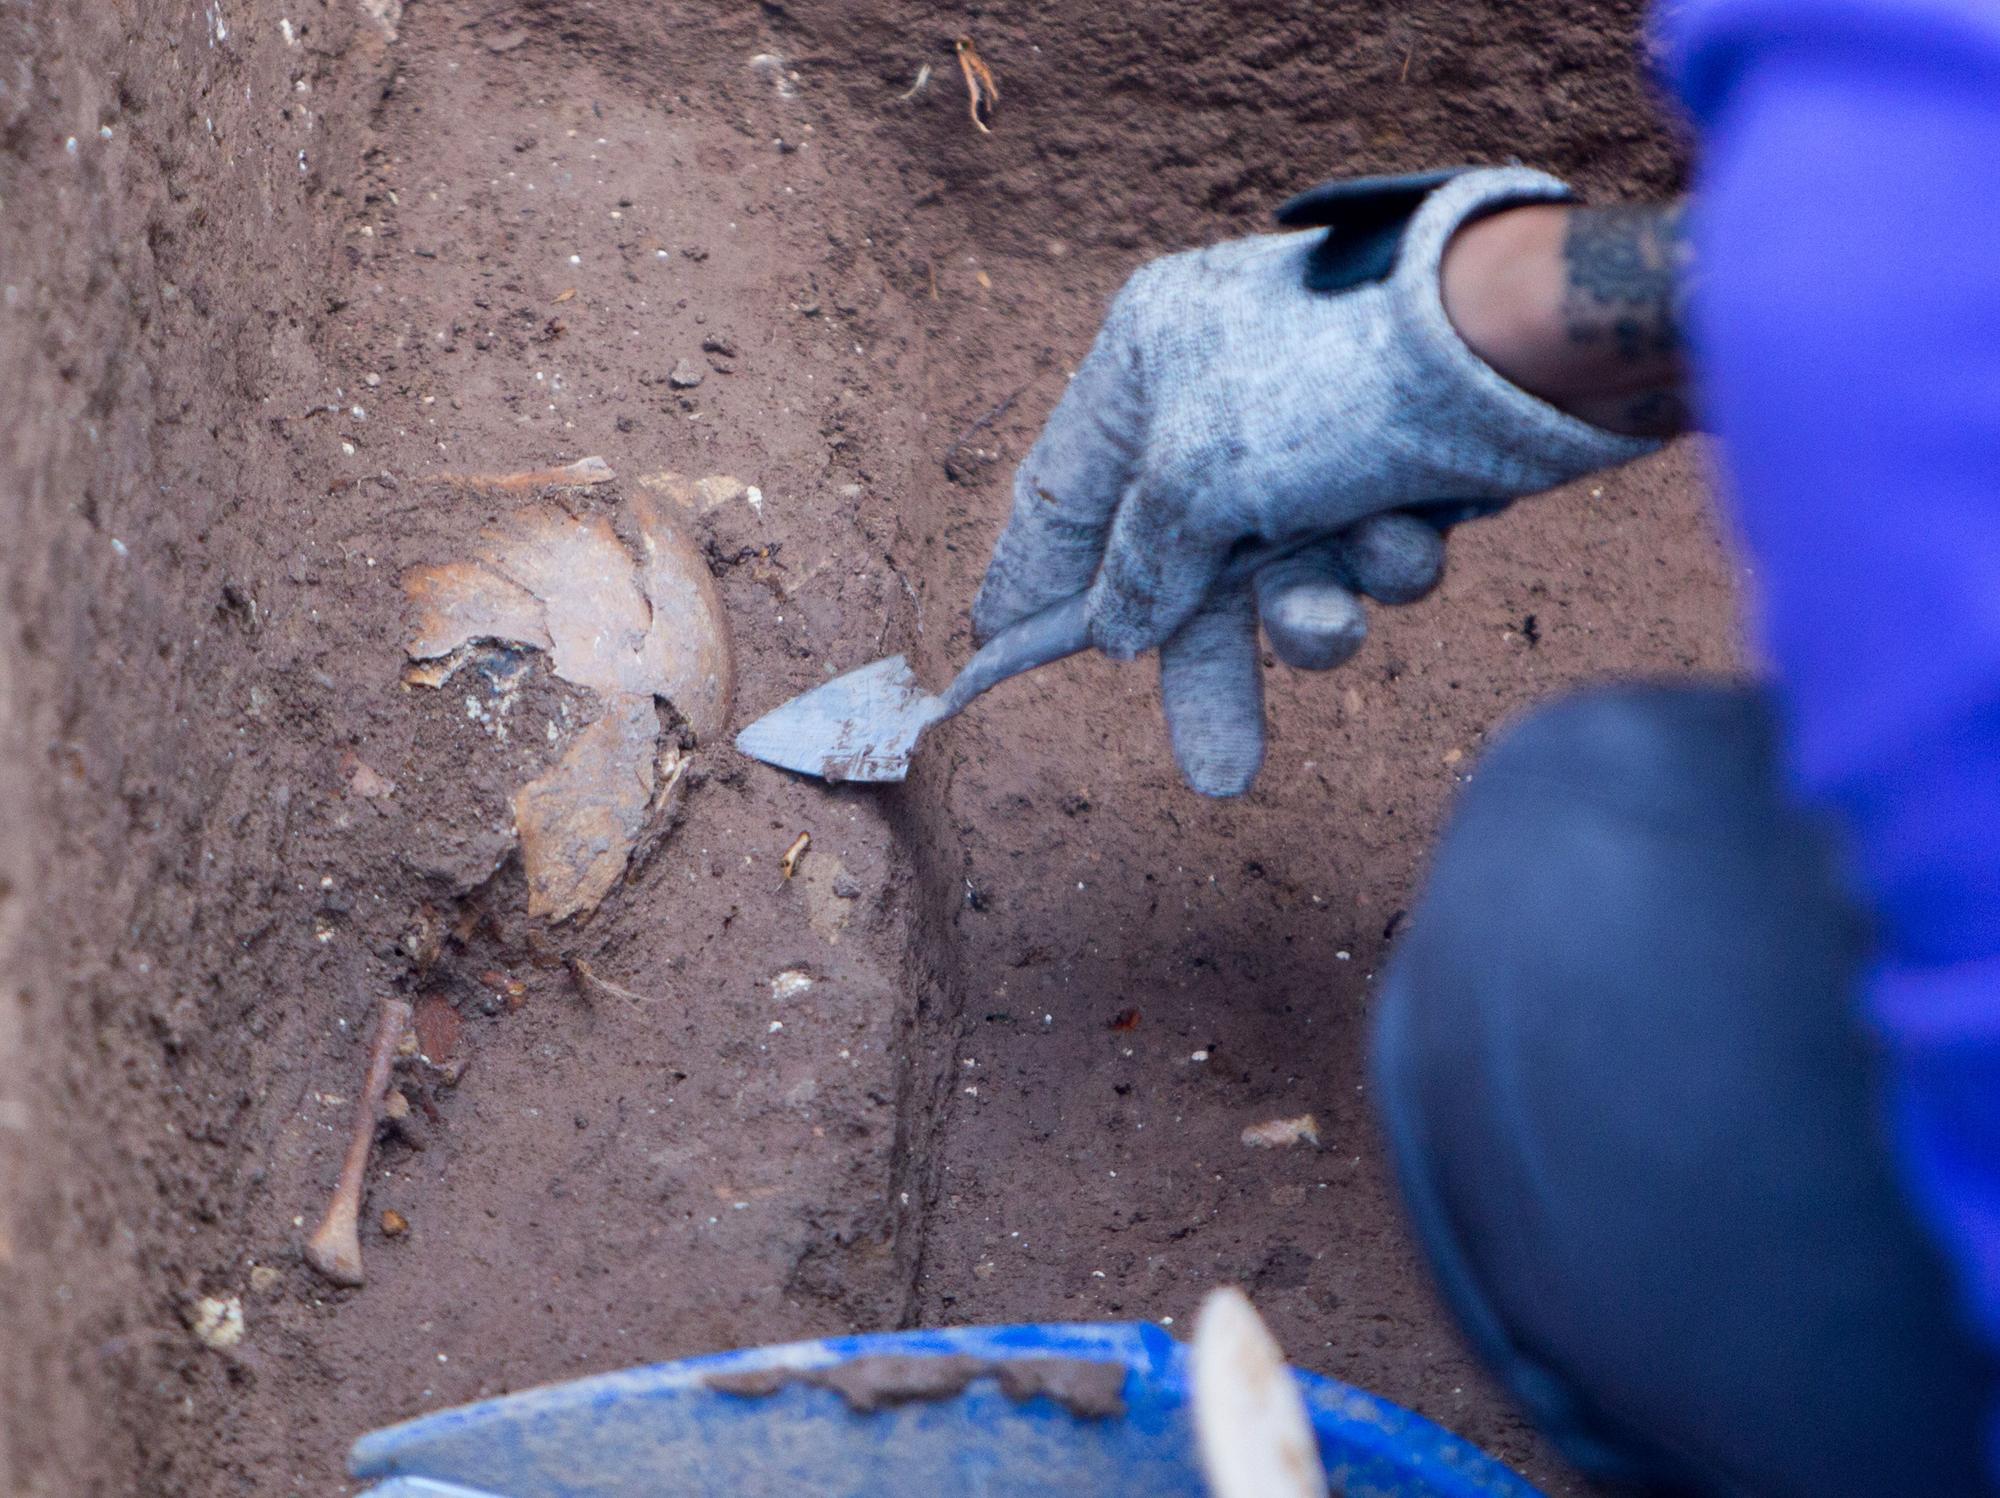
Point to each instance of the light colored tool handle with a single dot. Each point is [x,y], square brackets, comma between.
[1062,629]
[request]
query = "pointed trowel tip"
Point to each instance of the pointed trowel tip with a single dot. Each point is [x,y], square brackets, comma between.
[860,726]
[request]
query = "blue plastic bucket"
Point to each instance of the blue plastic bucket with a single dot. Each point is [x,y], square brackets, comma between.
[754,1424]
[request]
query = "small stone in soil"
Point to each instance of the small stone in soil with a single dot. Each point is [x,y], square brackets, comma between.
[684,376]
[394,1223]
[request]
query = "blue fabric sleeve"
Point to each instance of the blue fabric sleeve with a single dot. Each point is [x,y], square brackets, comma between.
[1847,225]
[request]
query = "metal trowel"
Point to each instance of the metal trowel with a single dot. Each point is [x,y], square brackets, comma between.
[864,725]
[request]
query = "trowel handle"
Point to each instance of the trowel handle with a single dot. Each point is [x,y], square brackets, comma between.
[1062,629]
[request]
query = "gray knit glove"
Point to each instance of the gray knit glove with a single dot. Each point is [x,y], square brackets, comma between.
[1224,400]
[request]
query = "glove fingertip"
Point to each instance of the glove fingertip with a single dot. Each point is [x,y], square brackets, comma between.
[1395,558]
[1212,688]
[1218,766]
[1312,622]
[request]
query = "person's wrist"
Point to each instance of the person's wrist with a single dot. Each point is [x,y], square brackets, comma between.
[1501,282]
[1536,441]
[1579,307]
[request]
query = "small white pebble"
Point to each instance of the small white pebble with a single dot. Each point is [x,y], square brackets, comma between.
[70,145]
[576,260]
[1198,1056]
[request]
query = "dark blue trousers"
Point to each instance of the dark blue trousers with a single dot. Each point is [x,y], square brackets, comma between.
[1631,1108]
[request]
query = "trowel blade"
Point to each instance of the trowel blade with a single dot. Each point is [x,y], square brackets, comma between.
[860,726]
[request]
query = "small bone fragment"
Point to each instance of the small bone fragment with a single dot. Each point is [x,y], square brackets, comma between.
[790,983]
[770,66]
[216,1321]
[1249,1417]
[458,602]
[580,819]
[1276,1133]
[335,1246]
[386,14]
[634,626]
[587,980]
[790,862]
[577,475]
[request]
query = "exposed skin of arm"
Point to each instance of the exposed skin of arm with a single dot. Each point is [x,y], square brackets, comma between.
[1581,306]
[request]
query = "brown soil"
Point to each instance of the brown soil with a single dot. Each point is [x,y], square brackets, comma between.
[265,272]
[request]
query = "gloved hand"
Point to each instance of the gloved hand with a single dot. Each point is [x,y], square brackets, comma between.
[1225,400]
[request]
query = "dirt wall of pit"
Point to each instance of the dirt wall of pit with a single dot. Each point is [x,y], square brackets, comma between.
[275,273]
[165,237]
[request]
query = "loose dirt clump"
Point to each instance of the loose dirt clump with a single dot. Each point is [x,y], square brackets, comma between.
[303,300]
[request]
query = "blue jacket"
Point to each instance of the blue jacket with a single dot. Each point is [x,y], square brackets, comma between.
[1847,226]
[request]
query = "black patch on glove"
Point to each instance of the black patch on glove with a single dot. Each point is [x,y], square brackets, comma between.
[1364,218]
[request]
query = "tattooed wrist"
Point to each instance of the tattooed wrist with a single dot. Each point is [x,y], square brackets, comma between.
[1584,307]
[1625,281]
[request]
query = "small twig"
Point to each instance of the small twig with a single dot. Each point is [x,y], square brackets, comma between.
[335,1246]
[923,82]
[981,425]
[982,93]
[914,599]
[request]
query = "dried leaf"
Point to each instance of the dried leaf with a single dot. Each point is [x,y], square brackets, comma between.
[1125,1020]
[566,294]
